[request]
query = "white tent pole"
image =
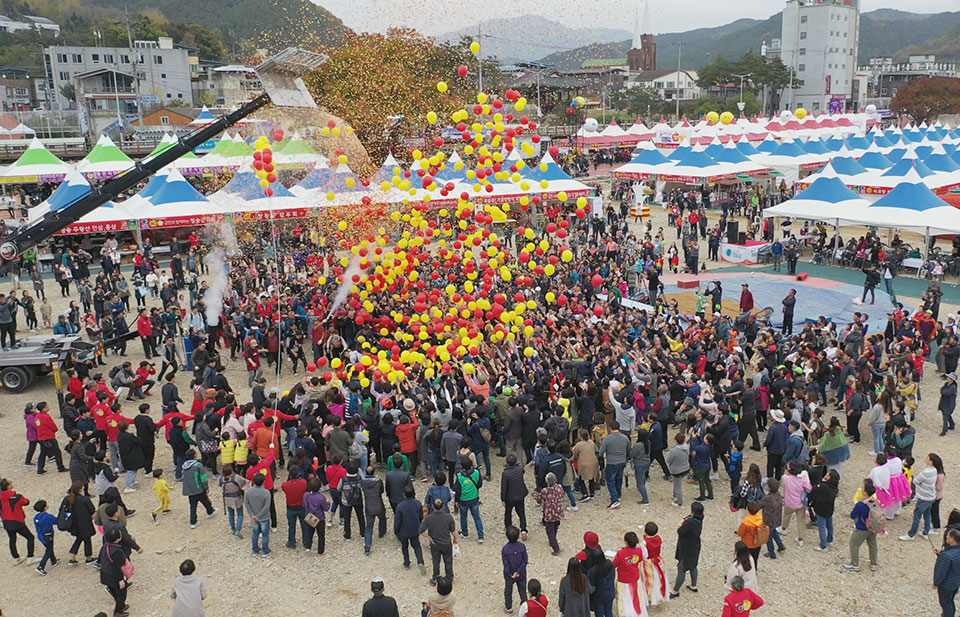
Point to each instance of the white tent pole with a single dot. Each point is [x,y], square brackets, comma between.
[926,243]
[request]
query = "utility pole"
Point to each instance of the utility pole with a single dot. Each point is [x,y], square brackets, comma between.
[677,94]
[480,57]
[133,60]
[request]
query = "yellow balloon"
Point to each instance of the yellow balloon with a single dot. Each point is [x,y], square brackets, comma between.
[432,117]
[475,47]
[713,117]
[801,113]
[342,225]
[442,86]
[336,363]
[566,255]
[528,331]
[528,352]
[264,183]
[726,117]
[551,296]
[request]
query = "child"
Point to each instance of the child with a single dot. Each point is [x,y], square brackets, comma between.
[45,524]
[46,312]
[228,450]
[654,574]
[439,491]
[735,466]
[740,601]
[441,603]
[536,604]
[908,472]
[335,473]
[240,453]
[772,505]
[514,558]
[162,490]
[232,485]
[188,591]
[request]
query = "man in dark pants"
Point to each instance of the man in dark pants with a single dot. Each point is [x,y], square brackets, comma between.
[513,490]
[789,303]
[406,525]
[195,487]
[146,432]
[776,444]
[373,508]
[946,574]
[441,531]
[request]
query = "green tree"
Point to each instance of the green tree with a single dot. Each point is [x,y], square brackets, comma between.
[926,99]
[709,102]
[718,73]
[636,100]
[114,31]
[68,92]
[194,35]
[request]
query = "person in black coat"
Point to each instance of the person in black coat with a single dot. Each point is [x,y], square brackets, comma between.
[406,526]
[688,548]
[529,423]
[111,560]
[131,455]
[146,432]
[513,490]
[81,521]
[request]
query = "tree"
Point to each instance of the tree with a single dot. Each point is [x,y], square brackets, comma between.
[114,31]
[207,41]
[767,77]
[708,103]
[638,101]
[68,92]
[926,99]
[373,76]
[718,73]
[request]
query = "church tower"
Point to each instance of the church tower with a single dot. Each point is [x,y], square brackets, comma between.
[643,53]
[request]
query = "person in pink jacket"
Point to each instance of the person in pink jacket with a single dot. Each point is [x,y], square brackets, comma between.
[795,483]
[30,420]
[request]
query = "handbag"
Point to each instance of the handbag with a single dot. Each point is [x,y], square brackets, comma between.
[209,446]
[311,519]
[127,569]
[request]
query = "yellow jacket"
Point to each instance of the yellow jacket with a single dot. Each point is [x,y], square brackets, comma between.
[241,452]
[228,449]
[161,488]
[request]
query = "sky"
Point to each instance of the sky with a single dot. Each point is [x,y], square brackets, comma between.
[434,17]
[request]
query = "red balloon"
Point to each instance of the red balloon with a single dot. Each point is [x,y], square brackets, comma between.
[331,123]
[438,141]
[268,192]
[551,228]
[258,164]
[310,367]
[463,70]
[257,155]
[562,300]
[554,151]
[271,178]
[278,136]
[597,280]
[598,310]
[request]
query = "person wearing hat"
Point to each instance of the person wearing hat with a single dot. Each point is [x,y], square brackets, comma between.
[948,402]
[380,605]
[776,443]
[746,298]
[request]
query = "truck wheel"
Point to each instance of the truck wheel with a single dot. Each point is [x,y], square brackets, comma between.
[14,378]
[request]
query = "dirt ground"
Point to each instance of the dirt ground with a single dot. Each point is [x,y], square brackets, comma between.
[295,583]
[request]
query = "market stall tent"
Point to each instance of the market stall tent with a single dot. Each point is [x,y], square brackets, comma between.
[910,205]
[110,217]
[175,203]
[826,199]
[105,160]
[35,165]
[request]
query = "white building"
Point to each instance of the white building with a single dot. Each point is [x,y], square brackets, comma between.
[112,83]
[28,22]
[669,85]
[819,40]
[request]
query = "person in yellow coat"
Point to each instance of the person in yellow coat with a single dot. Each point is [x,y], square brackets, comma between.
[162,490]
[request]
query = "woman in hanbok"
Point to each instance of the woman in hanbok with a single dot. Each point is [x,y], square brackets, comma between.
[655,583]
[631,597]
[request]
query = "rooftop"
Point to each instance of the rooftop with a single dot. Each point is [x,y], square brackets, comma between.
[601,62]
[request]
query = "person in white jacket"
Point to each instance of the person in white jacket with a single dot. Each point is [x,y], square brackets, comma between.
[925,483]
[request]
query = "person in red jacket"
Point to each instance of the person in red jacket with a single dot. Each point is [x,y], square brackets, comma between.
[740,602]
[76,386]
[145,330]
[111,424]
[11,511]
[142,379]
[47,436]
[633,597]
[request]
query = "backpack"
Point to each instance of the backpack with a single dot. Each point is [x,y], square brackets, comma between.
[763,534]
[485,435]
[65,516]
[114,371]
[876,521]
[350,493]
[355,451]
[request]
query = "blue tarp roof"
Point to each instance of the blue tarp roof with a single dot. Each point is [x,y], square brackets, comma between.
[903,167]
[698,160]
[176,191]
[941,162]
[317,178]
[857,143]
[788,148]
[768,146]
[875,160]
[829,190]
[246,184]
[651,156]
[554,172]
[680,152]
[910,196]
[847,166]
[815,146]
[73,187]
[746,147]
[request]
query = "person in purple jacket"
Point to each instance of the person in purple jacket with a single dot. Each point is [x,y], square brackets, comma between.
[30,420]
[514,557]
[316,504]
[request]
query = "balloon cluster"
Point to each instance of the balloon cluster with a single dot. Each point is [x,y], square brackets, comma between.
[263,161]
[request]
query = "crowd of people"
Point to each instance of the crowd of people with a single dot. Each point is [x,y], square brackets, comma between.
[421,366]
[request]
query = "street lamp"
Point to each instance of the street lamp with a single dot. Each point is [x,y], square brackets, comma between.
[742,77]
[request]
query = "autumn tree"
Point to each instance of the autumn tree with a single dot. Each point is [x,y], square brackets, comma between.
[926,99]
[375,81]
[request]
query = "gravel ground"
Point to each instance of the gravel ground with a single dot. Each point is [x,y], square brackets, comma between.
[801,582]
